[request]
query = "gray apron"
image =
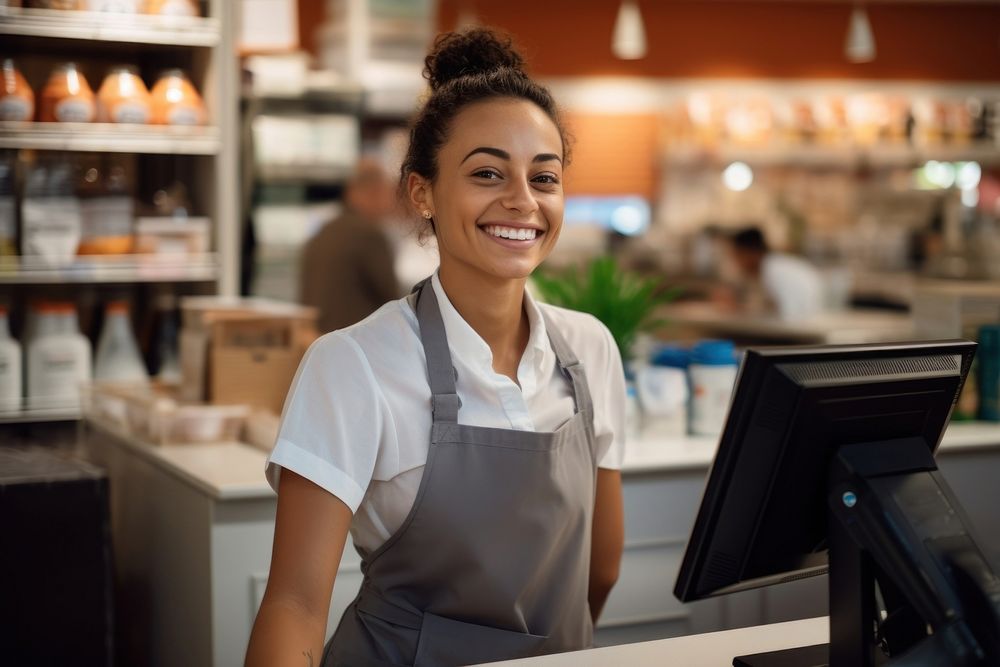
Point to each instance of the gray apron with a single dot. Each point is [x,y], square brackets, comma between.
[493,560]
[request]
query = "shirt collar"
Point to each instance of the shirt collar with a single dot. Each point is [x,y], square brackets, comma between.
[466,343]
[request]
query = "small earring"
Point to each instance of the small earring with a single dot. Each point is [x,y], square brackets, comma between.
[427,215]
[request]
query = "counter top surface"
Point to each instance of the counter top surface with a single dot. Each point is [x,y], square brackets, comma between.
[833,327]
[234,470]
[680,453]
[223,470]
[708,650]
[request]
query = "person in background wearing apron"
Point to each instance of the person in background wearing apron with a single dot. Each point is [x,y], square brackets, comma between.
[468,437]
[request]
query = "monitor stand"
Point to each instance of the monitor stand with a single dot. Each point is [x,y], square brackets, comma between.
[851,584]
[893,520]
[817,655]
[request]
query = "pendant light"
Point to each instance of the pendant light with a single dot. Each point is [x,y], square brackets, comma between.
[860,44]
[628,40]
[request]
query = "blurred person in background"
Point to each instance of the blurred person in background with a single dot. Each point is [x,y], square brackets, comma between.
[347,269]
[785,284]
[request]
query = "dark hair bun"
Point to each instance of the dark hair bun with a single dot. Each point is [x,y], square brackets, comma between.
[476,51]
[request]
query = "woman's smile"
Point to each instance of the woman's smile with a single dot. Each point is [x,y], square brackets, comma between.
[517,237]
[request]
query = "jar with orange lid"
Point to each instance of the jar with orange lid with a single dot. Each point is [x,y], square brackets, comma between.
[107,209]
[176,102]
[67,97]
[172,7]
[17,101]
[123,97]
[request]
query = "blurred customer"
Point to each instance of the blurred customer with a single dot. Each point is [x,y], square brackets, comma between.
[347,269]
[791,286]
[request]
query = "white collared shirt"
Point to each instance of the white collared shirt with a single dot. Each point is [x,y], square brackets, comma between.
[357,419]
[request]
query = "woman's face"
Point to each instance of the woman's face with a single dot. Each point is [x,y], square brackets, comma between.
[497,201]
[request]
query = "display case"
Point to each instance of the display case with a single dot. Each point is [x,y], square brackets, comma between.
[80,194]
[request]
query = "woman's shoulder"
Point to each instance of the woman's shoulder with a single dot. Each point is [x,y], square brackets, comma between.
[585,334]
[385,332]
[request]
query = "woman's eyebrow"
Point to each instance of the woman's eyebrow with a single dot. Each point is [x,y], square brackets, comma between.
[504,155]
[496,152]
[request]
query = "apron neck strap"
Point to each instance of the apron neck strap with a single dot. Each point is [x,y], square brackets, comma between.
[571,366]
[440,372]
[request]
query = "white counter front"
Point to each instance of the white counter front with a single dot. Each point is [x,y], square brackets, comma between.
[714,649]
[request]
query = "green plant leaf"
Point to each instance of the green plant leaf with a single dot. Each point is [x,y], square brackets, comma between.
[623,301]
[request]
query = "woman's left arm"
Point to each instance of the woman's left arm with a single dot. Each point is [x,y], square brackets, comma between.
[607,539]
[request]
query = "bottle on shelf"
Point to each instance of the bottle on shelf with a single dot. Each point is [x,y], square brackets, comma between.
[8,206]
[106,206]
[123,97]
[67,97]
[17,101]
[118,356]
[165,361]
[59,358]
[50,214]
[10,367]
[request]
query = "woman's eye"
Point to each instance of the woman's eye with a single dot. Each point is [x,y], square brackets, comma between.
[486,173]
[548,179]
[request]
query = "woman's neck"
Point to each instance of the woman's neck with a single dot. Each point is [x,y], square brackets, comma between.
[495,310]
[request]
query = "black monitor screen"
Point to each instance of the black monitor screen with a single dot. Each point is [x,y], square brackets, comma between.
[763,517]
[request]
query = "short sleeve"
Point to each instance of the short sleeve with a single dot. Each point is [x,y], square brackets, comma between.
[332,421]
[607,386]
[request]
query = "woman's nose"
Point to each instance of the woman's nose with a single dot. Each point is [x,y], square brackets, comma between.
[519,197]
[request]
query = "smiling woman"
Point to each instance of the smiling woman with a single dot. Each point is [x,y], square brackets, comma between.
[455,433]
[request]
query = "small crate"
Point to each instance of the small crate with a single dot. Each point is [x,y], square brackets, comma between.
[151,413]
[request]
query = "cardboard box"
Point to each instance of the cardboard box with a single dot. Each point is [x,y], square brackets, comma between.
[242,351]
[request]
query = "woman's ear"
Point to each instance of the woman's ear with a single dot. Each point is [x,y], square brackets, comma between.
[419,194]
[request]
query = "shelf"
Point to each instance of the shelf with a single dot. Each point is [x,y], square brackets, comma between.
[889,155]
[110,138]
[38,415]
[108,27]
[112,269]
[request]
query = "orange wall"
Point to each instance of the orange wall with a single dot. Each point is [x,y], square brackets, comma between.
[953,40]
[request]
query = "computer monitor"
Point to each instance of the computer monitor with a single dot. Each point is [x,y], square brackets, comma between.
[827,459]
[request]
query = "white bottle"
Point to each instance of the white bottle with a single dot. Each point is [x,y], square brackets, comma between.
[713,372]
[118,356]
[58,359]
[10,368]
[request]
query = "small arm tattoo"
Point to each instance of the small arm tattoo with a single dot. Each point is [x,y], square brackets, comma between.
[309,656]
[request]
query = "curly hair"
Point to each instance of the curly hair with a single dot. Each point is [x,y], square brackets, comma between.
[462,69]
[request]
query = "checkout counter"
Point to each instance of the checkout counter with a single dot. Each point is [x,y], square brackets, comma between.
[715,649]
[192,527]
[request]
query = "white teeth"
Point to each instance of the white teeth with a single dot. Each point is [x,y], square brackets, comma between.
[518,234]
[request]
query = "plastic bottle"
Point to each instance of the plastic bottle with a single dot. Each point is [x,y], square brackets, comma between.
[50,215]
[118,356]
[8,206]
[663,393]
[10,367]
[166,362]
[59,358]
[713,373]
